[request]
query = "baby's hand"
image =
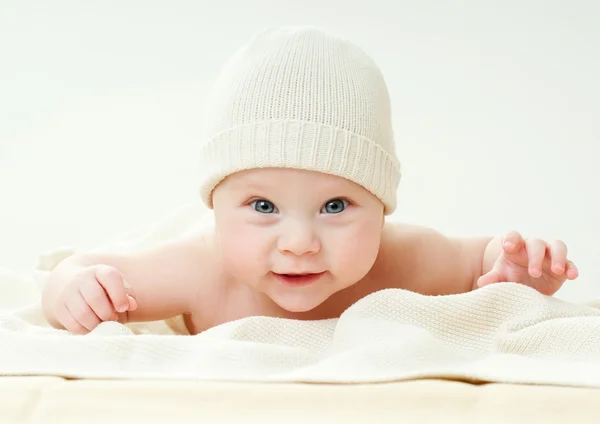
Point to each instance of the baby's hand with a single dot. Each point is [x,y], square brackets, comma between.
[533,262]
[98,293]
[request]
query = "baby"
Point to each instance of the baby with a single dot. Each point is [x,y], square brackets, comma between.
[300,169]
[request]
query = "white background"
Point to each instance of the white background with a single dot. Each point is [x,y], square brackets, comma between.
[496,111]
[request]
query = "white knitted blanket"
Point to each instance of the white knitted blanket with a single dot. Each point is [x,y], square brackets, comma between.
[501,333]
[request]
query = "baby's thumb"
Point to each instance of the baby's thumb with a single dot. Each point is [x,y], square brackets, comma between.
[490,278]
[132,303]
[131,297]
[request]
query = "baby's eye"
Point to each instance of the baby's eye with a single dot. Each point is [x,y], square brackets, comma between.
[263,206]
[335,206]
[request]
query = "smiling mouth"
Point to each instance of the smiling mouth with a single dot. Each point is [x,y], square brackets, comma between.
[299,279]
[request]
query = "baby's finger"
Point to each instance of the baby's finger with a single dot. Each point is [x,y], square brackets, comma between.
[132,303]
[82,312]
[571,271]
[95,296]
[112,282]
[536,252]
[515,250]
[131,296]
[70,323]
[513,242]
[490,278]
[558,256]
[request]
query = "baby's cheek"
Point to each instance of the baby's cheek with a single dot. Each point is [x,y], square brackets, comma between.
[240,251]
[356,251]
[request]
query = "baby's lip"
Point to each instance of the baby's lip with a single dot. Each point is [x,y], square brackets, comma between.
[298,280]
[300,273]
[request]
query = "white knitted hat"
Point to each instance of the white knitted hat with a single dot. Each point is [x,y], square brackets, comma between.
[298,97]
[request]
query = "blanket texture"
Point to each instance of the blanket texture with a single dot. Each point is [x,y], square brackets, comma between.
[501,333]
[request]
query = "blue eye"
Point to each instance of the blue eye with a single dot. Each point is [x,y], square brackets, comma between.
[263,206]
[335,206]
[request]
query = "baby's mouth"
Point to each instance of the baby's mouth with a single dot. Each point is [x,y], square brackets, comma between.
[299,279]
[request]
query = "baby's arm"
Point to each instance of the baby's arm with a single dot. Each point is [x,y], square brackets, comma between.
[436,264]
[166,279]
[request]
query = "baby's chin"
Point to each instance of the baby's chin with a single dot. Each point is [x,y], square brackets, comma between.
[297,302]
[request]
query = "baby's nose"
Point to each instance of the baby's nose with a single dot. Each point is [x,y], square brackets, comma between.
[299,240]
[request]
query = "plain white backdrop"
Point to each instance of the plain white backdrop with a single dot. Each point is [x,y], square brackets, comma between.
[496,111]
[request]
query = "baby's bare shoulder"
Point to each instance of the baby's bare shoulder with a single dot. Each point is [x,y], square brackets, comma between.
[424,260]
[401,239]
[408,255]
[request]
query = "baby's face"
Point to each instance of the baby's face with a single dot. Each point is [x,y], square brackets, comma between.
[296,236]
